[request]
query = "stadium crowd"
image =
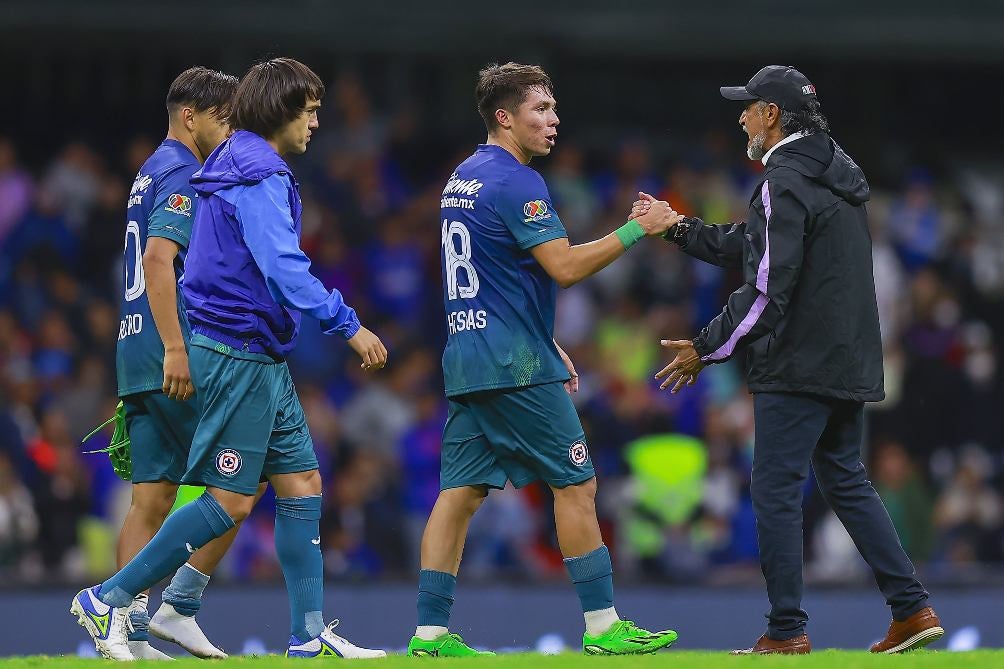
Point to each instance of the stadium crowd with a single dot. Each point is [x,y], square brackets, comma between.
[674,469]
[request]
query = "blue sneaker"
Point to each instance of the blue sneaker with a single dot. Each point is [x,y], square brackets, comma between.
[107,625]
[329,644]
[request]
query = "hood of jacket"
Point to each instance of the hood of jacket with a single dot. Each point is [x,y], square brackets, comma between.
[821,159]
[243,160]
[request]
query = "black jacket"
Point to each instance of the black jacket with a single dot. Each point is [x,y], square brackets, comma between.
[806,313]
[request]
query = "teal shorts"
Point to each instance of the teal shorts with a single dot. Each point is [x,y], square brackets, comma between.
[515,434]
[160,435]
[252,425]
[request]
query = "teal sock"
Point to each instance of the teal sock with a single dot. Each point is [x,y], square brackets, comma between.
[298,545]
[435,597]
[185,590]
[140,619]
[189,528]
[593,576]
[140,626]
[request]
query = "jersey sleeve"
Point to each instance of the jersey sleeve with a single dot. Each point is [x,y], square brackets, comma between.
[524,205]
[174,207]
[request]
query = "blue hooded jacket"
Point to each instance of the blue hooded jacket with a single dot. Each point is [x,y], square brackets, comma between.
[246,280]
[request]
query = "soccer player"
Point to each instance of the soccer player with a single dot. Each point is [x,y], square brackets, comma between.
[510,417]
[158,413]
[246,282]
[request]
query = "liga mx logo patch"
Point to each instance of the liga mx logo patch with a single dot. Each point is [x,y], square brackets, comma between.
[228,462]
[179,204]
[535,210]
[578,453]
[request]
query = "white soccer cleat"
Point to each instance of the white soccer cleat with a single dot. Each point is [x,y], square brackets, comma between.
[329,644]
[107,625]
[169,625]
[142,650]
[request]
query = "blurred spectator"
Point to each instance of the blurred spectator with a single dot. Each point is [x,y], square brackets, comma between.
[15,189]
[362,520]
[418,456]
[62,493]
[102,244]
[915,223]
[18,522]
[74,182]
[631,173]
[906,497]
[968,515]
[396,269]
[575,199]
[381,412]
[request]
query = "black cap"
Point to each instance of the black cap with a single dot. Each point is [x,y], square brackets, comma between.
[781,84]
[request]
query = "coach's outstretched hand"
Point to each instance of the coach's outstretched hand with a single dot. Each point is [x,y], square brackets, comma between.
[685,367]
[645,205]
[370,349]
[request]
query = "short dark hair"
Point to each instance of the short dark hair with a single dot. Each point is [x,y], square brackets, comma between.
[809,120]
[506,87]
[203,90]
[273,93]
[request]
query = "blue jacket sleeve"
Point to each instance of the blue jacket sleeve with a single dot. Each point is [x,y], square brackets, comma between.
[264,214]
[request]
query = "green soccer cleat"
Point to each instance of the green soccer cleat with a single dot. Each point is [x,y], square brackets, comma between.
[626,638]
[448,645]
[119,450]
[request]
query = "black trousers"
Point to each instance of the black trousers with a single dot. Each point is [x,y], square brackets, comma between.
[793,430]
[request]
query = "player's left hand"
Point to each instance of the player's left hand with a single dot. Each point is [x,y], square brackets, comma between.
[572,384]
[370,349]
[684,368]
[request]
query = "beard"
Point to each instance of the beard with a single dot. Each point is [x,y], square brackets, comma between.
[755,147]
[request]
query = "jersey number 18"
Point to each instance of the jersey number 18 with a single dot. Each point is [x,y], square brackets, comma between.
[455,259]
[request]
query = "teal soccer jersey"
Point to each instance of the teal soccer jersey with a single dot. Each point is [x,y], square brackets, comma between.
[161,204]
[499,300]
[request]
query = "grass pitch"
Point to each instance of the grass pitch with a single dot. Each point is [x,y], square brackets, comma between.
[828,659]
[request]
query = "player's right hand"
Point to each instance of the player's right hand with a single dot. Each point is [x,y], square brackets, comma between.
[654,216]
[177,379]
[370,349]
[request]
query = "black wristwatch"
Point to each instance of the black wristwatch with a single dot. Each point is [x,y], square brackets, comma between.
[679,234]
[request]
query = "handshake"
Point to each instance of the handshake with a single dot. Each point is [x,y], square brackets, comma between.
[655,217]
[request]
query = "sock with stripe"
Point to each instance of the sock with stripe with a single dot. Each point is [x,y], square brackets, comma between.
[139,616]
[189,528]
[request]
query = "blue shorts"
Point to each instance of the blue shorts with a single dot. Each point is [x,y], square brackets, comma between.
[515,434]
[252,425]
[160,435]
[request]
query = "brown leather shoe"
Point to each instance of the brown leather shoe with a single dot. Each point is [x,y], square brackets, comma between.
[766,646]
[918,630]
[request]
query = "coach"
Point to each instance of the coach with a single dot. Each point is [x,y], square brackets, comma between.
[808,320]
